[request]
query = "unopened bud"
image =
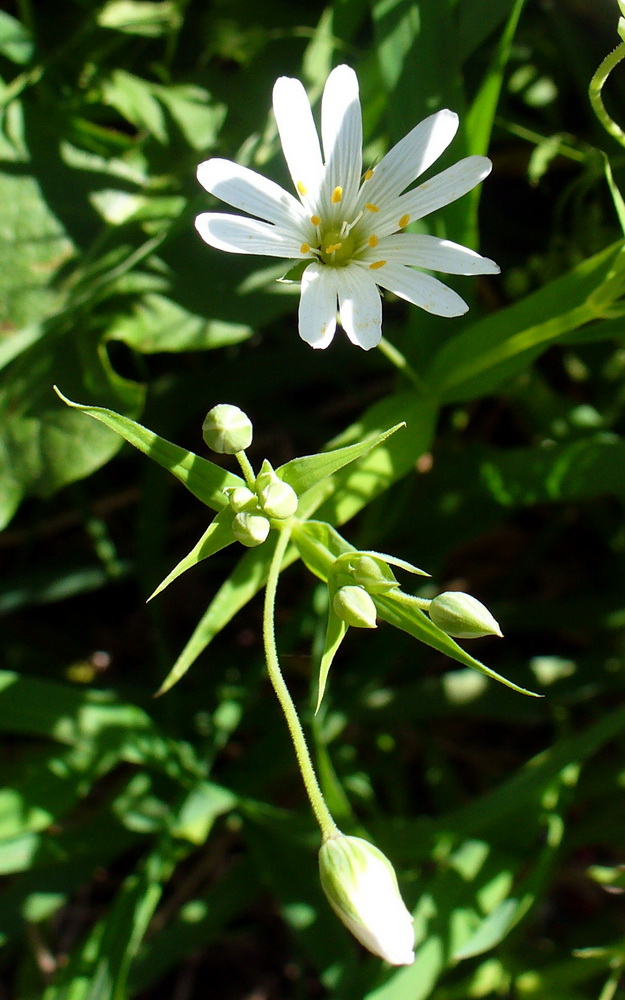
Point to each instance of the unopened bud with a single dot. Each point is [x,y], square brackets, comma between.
[361,887]
[462,616]
[227,429]
[240,498]
[266,476]
[278,499]
[372,574]
[250,529]
[355,607]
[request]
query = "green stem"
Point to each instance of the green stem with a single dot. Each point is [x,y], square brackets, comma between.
[409,600]
[320,809]
[596,86]
[402,364]
[247,470]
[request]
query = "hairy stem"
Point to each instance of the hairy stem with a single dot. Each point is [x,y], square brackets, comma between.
[320,809]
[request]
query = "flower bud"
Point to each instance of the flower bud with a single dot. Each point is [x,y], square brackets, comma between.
[355,607]
[372,574]
[250,529]
[227,429]
[278,499]
[361,887]
[266,476]
[462,616]
[240,498]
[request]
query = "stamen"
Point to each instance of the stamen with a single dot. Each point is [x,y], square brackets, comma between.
[305,248]
[368,174]
[373,241]
[301,187]
[337,194]
[403,222]
[332,247]
[378,264]
[371,208]
[316,221]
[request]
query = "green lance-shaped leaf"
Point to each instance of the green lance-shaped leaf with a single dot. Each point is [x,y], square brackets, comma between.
[202,478]
[412,620]
[216,537]
[246,579]
[336,631]
[303,473]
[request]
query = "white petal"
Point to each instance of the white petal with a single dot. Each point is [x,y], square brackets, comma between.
[298,135]
[421,289]
[441,190]
[341,130]
[317,307]
[252,193]
[411,156]
[236,234]
[419,250]
[360,306]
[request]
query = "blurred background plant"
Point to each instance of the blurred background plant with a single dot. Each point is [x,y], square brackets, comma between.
[163,847]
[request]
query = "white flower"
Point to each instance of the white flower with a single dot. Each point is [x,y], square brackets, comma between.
[362,889]
[350,226]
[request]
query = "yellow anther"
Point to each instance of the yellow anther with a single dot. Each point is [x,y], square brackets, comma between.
[337,194]
[301,187]
[332,247]
[305,248]
[368,175]
[316,221]
[371,208]
[403,222]
[373,241]
[378,264]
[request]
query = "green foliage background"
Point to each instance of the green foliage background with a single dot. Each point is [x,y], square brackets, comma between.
[163,847]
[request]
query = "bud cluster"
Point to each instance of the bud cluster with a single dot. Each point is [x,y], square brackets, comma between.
[271,499]
[356,576]
[228,431]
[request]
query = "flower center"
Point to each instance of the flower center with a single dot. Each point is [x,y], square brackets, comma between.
[336,247]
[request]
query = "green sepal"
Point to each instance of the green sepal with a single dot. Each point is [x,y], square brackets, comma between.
[202,478]
[216,537]
[294,274]
[302,473]
[409,618]
[394,561]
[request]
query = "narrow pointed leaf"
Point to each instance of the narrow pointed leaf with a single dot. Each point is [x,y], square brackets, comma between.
[204,479]
[302,473]
[335,633]
[413,621]
[243,583]
[216,537]
[396,561]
